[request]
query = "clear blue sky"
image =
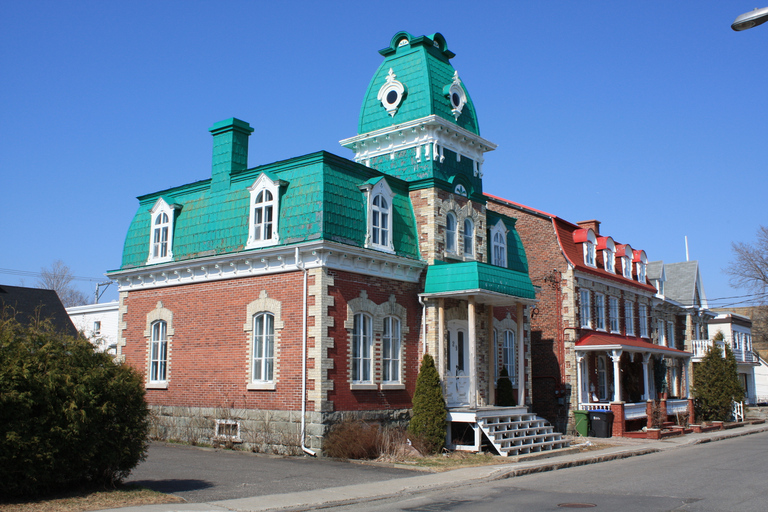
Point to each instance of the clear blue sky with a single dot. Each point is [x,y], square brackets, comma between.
[648,115]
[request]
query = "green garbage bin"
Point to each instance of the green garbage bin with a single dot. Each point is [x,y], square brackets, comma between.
[581,420]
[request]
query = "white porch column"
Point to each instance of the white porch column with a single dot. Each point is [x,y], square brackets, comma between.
[580,378]
[521,381]
[472,334]
[646,388]
[616,357]
[687,376]
[441,344]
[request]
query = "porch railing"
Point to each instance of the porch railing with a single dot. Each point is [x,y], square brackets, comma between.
[635,411]
[677,406]
[738,411]
[595,407]
[699,348]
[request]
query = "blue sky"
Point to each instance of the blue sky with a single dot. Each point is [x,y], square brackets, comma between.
[644,115]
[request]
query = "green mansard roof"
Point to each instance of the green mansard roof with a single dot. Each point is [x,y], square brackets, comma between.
[422,65]
[320,199]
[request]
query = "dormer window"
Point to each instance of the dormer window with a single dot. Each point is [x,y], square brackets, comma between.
[588,240]
[625,254]
[161,232]
[469,237]
[379,201]
[606,244]
[450,233]
[641,264]
[263,212]
[499,244]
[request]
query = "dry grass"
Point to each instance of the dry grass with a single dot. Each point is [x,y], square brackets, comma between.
[90,499]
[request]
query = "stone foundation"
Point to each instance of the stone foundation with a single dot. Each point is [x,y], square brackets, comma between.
[260,431]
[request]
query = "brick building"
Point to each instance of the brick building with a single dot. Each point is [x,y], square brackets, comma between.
[265,303]
[594,342]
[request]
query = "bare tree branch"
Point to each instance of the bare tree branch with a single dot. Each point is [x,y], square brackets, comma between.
[749,267]
[59,278]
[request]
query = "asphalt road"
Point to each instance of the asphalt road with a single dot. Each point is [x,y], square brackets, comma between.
[728,475]
[203,475]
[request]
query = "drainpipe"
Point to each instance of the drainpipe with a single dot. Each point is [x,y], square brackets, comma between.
[304,360]
[423,325]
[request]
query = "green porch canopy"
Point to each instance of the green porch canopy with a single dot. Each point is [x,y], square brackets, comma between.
[491,284]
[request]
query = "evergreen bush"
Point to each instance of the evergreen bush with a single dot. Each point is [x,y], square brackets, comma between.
[68,415]
[505,395]
[428,424]
[716,384]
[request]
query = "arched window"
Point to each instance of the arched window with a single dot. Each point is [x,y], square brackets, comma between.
[450,233]
[469,237]
[158,352]
[391,350]
[499,244]
[160,236]
[362,343]
[263,216]
[263,348]
[380,213]
[264,212]
[161,232]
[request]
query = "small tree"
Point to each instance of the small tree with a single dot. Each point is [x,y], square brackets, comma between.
[68,415]
[505,395]
[716,384]
[59,279]
[428,423]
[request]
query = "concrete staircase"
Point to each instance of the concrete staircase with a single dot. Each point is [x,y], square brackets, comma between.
[518,434]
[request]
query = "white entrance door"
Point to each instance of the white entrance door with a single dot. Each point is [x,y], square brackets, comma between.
[457,365]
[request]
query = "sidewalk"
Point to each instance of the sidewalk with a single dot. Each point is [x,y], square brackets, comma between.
[616,448]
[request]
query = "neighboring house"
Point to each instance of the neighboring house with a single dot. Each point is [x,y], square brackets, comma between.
[98,323]
[28,305]
[737,335]
[594,339]
[286,296]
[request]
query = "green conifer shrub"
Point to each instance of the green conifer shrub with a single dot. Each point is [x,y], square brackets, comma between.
[68,415]
[716,384]
[505,395]
[428,424]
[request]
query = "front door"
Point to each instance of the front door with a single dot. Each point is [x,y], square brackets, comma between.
[457,365]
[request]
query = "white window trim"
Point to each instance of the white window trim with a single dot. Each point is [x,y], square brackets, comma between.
[263,183]
[264,304]
[614,318]
[642,315]
[363,340]
[499,230]
[629,318]
[159,314]
[585,309]
[371,191]
[626,267]
[590,249]
[399,355]
[468,239]
[600,315]
[451,235]
[161,207]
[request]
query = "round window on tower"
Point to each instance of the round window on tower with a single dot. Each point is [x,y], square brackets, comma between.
[456,95]
[391,93]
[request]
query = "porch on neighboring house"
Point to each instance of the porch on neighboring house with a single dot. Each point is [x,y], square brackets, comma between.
[620,374]
[472,343]
[746,362]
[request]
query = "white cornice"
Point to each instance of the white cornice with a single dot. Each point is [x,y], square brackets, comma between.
[271,260]
[430,133]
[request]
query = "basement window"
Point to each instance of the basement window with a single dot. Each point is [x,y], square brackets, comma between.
[228,430]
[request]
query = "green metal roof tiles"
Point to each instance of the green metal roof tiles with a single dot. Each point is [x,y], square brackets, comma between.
[321,200]
[425,71]
[474,275]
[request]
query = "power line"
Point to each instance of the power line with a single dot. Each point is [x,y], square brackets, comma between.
[29,273]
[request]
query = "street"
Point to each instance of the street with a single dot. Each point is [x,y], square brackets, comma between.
[729,475]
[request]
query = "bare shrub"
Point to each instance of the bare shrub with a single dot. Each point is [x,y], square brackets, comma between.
[352,439]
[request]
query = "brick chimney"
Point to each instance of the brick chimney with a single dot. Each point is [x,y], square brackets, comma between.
[594,224]
[230,151]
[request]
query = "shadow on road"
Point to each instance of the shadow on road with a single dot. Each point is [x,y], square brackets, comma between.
[173,485]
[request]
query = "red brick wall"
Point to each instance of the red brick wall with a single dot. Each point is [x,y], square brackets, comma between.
[347,286]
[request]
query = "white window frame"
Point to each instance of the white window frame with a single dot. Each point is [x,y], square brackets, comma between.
[641,265]
[671,334]
[626,267]
[629,318]
[609,256]
[379,232]
[468,238]
[600,312]
[263,351]
[269,306]
[590,249]
[97,328]
[642,315]
[362,349]
[161,218]
[499,244]
[451,231]
[158,353]
[391,349]
[661,331]
[613,314]
[585,309]
[258,202]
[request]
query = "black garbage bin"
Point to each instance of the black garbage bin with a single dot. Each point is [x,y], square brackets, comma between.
[600,423]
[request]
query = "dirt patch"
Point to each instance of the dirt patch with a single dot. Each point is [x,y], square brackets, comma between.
[92,499]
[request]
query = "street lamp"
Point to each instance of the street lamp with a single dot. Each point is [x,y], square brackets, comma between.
[750,19]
